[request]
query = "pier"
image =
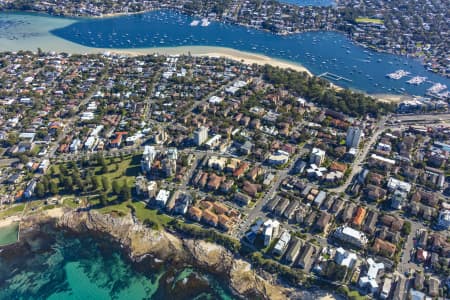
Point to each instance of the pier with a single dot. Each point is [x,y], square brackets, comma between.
[335,77]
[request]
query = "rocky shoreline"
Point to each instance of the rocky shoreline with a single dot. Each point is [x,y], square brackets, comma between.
[143,245]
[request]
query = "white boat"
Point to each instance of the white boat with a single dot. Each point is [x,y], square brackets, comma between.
[195,23]
[437,88]
[417,80]
[398,74]
[205,22]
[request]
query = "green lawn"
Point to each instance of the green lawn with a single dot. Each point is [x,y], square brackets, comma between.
[125,170]
[14,210]
[70,202]
[369,20]
[120,209]
[144,214]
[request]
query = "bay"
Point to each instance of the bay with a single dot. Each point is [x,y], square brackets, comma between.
[321,52]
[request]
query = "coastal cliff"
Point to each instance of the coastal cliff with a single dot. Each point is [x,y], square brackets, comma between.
[141,242]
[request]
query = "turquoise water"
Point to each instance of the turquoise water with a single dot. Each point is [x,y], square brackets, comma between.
[55,266]
[320,52]
[9,234]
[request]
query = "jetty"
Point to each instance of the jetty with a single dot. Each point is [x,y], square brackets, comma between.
[334,77]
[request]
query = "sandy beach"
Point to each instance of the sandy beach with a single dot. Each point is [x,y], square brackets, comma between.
[244,57]
[42,38]
[391,98]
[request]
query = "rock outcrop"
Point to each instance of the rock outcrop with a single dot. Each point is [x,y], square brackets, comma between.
[142,241]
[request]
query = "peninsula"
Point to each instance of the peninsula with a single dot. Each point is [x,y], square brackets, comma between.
[286,174]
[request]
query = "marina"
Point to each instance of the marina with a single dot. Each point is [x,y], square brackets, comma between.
[320,52]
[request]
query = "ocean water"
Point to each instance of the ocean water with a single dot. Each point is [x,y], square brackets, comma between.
[53,265]
[320,52]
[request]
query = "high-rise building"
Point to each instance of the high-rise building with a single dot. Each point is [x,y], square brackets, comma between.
[147,158]
[169,167]
[200,135]
[353,137]
[172,153]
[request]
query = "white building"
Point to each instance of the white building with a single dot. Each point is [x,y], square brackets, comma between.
[75,145]
[200,135]
[315,171]
[278,158]
[383,159]
[386,288]
[172,153]
[214,141]
[43,166]
[345,258]
[90,143]
[270,230]
[395,184]
[147,158]
[217,163]
[215,100]
[370,280]
[351,236]
[97,130]
[87,116]
[384,147]
[282,243]
[317,156]
[353,138]
[162,197]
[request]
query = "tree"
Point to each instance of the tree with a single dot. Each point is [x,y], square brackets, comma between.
[116,187]
[406,230]
[68,184]
[45,182]
[125,193]
[103,199]
[76,178]
[96,182]
[12,139]
[40,190]
[53,187]
[63,169]
[101,160]
[105,183]
[52,170]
